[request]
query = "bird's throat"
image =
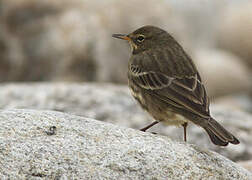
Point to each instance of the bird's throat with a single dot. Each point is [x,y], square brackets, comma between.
[133,46]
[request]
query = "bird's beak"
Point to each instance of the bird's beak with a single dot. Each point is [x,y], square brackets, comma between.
[121,36]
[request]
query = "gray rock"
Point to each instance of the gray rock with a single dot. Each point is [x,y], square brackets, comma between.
[112,103]
[82,148]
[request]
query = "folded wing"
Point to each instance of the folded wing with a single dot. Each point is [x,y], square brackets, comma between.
[185,92]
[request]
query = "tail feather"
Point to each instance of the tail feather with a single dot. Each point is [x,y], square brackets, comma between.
[219,135]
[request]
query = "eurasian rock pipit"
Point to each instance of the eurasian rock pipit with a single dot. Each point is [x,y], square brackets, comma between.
[166,83]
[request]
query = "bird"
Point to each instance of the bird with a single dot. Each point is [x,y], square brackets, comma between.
[164,80]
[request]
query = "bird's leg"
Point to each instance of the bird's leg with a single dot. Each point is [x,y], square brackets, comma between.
[185,126]
[149,126]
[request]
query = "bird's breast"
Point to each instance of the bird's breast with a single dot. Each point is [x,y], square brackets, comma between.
[157,109]
[137,94]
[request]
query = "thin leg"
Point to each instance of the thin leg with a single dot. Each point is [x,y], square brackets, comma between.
[149,126]
[185,125]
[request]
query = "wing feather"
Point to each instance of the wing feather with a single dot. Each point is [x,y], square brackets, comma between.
[187,92]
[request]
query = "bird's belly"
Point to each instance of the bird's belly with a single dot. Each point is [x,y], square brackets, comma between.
[174,119]
[158,110]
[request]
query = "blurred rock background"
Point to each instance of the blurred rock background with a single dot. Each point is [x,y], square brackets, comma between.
[66,40]
[71,40]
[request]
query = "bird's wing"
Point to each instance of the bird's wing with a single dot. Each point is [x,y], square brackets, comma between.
[187,92]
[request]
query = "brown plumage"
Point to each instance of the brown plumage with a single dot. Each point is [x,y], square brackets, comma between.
[166,83]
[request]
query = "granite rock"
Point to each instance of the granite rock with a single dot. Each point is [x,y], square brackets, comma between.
[53,145]
[114,104]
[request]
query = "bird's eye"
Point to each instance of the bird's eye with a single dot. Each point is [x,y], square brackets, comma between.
[140,38]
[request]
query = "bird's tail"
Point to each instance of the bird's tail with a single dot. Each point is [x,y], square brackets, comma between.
[219,135]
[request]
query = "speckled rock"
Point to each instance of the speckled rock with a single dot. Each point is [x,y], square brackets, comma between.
[53,145]
[113,103]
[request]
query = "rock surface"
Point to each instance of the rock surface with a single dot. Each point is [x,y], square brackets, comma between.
[111,103]
[52,145]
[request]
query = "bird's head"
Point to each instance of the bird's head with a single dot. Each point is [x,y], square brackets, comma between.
[144,38]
